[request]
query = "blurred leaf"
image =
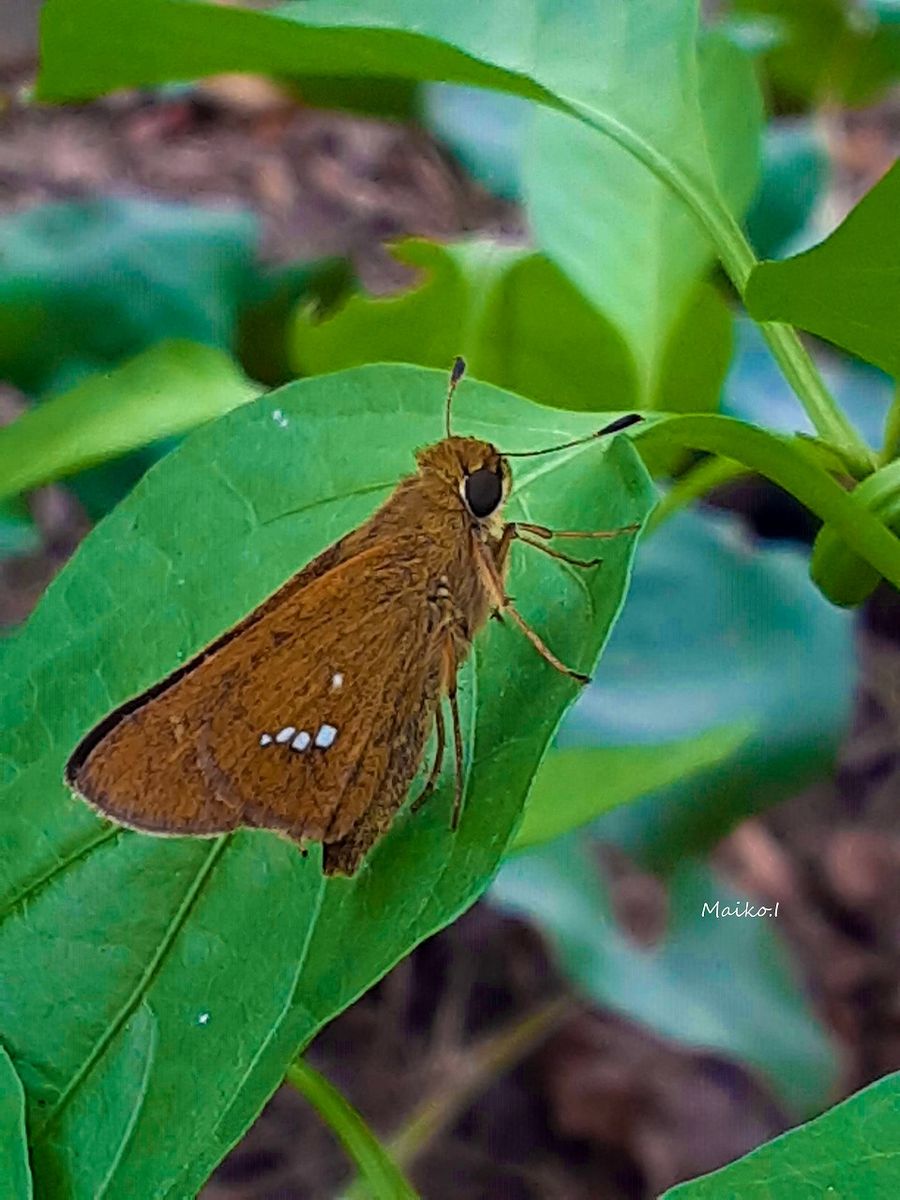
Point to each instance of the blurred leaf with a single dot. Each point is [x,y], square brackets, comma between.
[485,130]
[849,1152]
[237,947]
[541,338]
[423,325]
[629,244]
[828,50]
[514,316]
[14,1169]
[267,316]
[876,67]
[394,99]
[804,61]
[383,1178]
[794,174]
[695,358]
[544,53]
[166,390]
[718,631]
[846,289]
[18,534]
[717,983]
[575,786]
[86,284]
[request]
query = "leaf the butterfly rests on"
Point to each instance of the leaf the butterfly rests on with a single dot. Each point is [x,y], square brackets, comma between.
[247,930]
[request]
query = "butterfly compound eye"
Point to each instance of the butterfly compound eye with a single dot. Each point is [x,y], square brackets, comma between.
[483,492]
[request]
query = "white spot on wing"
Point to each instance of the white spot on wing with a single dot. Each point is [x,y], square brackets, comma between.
[285,735]
[203,1018]
[301,741]
[279,418]
[337,681]
[265,739]
[325,737]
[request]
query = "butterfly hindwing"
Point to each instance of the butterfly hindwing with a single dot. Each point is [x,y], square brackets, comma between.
[294,725]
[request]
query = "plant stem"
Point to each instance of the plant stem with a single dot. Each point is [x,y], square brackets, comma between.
[383,1178]
[496,1055]
[474,1071]
[738,259]
[828,418]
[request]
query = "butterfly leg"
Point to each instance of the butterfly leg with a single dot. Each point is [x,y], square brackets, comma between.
[493,582]
[566,558]
[457,757]
[435,772]
[542,531]
[519,530]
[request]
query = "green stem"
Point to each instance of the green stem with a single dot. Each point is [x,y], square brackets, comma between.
[891,447]
[791,464]
[738,259]
[383,1177]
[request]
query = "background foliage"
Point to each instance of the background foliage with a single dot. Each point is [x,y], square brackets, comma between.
[128,323]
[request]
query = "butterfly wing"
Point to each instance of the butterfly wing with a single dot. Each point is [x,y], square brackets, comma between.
[316,714]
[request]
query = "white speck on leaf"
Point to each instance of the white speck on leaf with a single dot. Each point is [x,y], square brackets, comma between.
[279,418]
[203,1018]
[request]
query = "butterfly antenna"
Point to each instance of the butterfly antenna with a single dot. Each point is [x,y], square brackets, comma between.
[612,427]
[459,369]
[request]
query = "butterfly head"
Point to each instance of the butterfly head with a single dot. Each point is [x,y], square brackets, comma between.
[474,472]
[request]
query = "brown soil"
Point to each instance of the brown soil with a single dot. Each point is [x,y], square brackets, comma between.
[600,1108]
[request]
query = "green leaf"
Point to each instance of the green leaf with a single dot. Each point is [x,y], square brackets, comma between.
[534,50]
[384,1178]
[804,60]
[827,51]
[745,641]
[575,786]
[514,316]
[84,285]
[718,983]
[164,391]
[628,243]
[238,946]
[846,289]
[849,1153]
[696,354]
[268,313]
[589,59]
[14,1169]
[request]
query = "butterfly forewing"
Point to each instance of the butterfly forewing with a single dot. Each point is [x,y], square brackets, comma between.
[294,726]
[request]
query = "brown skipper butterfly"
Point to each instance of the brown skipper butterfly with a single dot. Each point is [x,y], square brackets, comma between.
[311,716]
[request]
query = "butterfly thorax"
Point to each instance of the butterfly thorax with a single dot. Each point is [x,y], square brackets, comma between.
[433,525]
